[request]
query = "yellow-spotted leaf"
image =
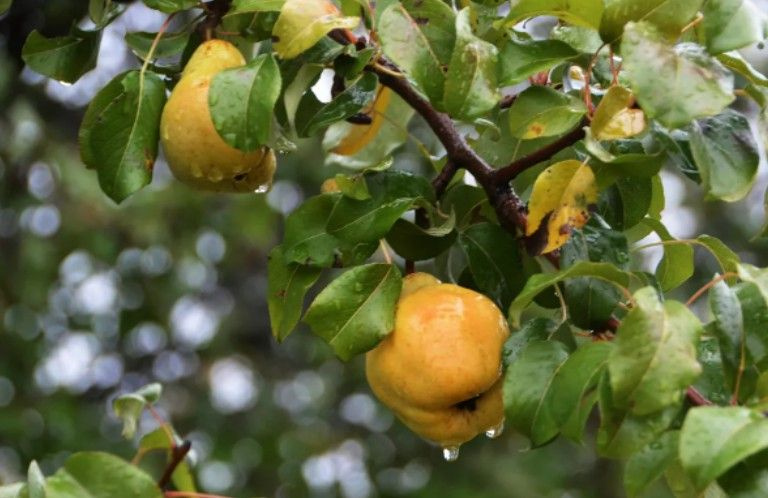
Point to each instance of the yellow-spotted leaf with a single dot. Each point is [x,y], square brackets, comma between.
[360,135]
[561,199]
[614,118]
[302,23]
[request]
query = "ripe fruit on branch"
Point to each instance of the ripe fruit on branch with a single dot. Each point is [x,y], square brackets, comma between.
[440,368]
[196,154]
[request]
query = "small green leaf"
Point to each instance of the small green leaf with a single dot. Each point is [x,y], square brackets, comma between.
[418,36]
[539,282]
[241,102]
[676,266]
[250,6]
[650,463]
[471,89]
[655,355]
[392,194]
[726,258]
[578,12]
[302,23]
[732,24]
[494,259]
[288,283]
[357,309]
[348,103]
[526,384]
[101,475]
[35,481]
[416,244]
[101,12]
[169,45]
[726,154]
[306,241]
[543,112]
[668,16]
[522,58]
[65,58]
[735,62]
[673,84]
[622,433]
[714,438]
[755,275]
[570,392]
[119,133]
[129,406]
[170,6]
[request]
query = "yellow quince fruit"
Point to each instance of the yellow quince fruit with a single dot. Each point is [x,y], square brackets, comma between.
[195,152]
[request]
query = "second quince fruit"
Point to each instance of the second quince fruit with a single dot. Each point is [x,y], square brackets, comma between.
[439,370]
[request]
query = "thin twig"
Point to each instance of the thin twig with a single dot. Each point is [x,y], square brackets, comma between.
[178,453]
[708,286]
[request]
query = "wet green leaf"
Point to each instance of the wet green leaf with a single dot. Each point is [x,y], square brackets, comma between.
[648,464]
[668,16]
[471,89]
[306,240]
[100,475]
[348,103]
[64,58]
[288,284]
[119,133]
[169,45]
[733,24]
[522,58]
[726,154]
[714,438]
[673,84]
[578,12]
[542,112]
[357,309]
[303,23]
[676,266]
[416,244]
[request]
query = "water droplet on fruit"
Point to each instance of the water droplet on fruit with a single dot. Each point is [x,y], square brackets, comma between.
[495,431]
[261,189]
[215,175]
[451,453]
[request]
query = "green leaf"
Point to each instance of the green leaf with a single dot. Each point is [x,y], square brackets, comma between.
[494,259]
[241,101]
[35,481]
[417,244]
[648,464]
[348,103]
[754,310]
[418,36]
[471,89]
[748,478]
[655,355]
[302,23]
[119,133]
[129,406]
[578,12]
[732,24]
[65,58]
[169,45]
[392,194]
[591,301]
[726,258]
[735,62]
[711,383]
[101,12]
[676,266]
[673,85]
[357,309]
[306,240]
[623,433]
[158,439]
[288,283]
[5,6]
[668,16]
[522,58]
[101,475]
[583,40]
[715,438]
[526,383]
[170,6]
[539,282]
[626,202]
[755,275]
[250,6]
[571,390]
[682,487]
[726,154]
[11,490]
[543,112]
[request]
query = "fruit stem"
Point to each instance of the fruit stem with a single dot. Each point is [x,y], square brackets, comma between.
[153,47]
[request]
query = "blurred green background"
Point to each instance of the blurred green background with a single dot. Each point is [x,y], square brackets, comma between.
[96,300]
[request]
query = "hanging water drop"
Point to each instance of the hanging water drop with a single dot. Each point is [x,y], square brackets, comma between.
[261,189]
[495,431]
[451,453]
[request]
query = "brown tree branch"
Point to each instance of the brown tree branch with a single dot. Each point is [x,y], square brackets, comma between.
[178,453]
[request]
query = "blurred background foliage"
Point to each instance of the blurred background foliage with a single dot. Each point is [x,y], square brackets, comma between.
[96,300]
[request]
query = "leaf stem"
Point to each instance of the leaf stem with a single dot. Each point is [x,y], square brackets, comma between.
[708,286]
[153,47]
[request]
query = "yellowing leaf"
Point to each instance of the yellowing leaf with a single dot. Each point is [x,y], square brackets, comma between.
[562,195]
[361,135]
[614,117]
[302,23]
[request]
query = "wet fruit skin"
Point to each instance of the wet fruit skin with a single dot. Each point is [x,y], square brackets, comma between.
[440,368]
[195,152]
